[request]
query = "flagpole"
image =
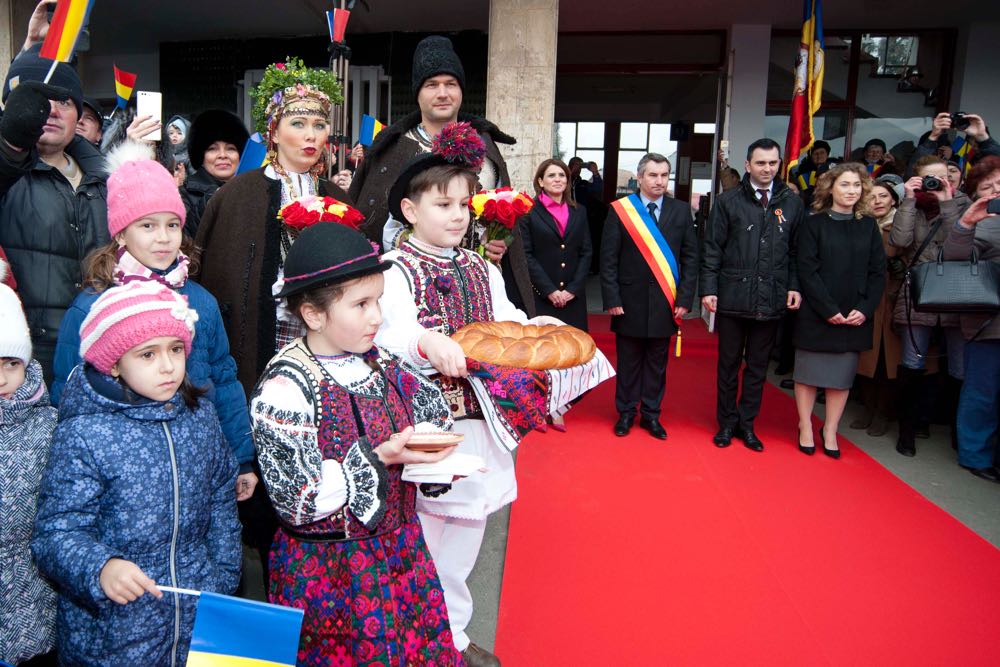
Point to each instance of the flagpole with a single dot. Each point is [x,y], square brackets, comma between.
[52,70]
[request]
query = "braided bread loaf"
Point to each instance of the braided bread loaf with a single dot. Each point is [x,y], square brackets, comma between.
[539,348]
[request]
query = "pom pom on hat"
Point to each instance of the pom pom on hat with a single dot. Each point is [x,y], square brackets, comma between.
[126,316]
[459,144]
[139,186]
[15,338]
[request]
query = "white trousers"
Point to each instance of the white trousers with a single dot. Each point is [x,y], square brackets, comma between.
[454,545]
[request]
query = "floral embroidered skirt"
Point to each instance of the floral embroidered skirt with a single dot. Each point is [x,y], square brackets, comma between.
[366,602]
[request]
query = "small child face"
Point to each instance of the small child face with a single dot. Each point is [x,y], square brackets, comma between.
[155,369]
[11,376]
[154,240]
[174,134]
[440,218]
[350,323]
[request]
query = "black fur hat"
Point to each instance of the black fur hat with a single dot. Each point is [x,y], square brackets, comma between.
[211,126]
[435,55]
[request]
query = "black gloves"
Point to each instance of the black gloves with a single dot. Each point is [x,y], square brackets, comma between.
[26,111]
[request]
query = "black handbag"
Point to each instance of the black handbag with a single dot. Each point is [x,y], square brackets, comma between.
[953,286]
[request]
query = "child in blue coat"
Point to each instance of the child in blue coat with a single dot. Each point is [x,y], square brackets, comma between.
[145,220]
[139,489]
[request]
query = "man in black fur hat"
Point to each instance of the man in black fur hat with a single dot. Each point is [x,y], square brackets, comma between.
[438,85]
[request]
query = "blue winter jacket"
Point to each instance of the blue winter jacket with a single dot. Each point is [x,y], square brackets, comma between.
[209,366]
[150,482]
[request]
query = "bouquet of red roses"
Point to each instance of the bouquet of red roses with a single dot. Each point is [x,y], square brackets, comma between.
[307,211]
[500,210]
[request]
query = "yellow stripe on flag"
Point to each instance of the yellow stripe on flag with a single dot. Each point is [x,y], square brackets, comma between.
[200,659]
[656,253]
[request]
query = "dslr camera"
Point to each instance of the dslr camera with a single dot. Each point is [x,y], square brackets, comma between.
[932,183]
[959,121]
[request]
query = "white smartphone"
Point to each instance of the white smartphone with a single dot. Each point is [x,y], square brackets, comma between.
[150,104]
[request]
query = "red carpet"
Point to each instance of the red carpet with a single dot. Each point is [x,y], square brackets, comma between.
[639,552]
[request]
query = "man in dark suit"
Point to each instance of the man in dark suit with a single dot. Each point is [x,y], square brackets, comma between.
[642,320]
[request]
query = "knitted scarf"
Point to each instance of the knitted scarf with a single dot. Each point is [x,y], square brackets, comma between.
[128,269]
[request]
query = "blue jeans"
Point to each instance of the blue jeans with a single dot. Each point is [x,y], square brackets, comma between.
[979,404]
[954,342]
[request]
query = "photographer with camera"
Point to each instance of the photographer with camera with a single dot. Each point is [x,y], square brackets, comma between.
[971,124]
[930,208]
[979,228]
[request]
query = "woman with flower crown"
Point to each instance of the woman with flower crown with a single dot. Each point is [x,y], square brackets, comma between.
[244,239]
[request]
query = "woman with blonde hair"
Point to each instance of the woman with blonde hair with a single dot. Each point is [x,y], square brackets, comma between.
[842,274]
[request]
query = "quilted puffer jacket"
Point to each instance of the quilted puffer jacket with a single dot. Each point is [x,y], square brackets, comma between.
[27,601]
[150,482]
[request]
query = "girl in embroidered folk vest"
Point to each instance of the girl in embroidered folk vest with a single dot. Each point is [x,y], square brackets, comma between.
[433,289]
[145,220]
[331,416]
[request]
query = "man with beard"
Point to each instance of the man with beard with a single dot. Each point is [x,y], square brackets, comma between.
[438,86]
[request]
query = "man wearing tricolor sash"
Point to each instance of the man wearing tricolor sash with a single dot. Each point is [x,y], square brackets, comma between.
[749,279]
[649,269]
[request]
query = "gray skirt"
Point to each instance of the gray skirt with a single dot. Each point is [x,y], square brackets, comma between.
[830,370]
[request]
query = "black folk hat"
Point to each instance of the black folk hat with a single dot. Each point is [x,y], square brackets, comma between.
[326,253]
[211,126]
[435,55]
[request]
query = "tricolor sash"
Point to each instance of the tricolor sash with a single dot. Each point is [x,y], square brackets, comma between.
[647,237]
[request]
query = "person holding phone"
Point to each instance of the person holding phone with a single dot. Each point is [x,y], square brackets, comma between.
[979,401]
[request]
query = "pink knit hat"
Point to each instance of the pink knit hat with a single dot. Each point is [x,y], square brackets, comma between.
[129,315]
[139,186]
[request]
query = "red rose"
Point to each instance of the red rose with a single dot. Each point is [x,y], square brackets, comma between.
[490,209]
[522,205]
[298,217]
[505,214]
[353,218]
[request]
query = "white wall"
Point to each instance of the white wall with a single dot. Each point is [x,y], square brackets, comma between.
[977,72]
[750,51]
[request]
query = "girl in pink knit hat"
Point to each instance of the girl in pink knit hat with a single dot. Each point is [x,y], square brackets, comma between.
[146,221]
[139,487]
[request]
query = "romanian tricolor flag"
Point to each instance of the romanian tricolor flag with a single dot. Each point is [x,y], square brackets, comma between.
[124,85]
[232,632]
[808,93]
[67,22]
[370,128]
[336,21]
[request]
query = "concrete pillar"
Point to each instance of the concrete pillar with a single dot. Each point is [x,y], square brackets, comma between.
[976,88]
[7,48]
[521,81]
[750,55]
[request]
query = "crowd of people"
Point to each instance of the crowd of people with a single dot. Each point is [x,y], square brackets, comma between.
[186,373]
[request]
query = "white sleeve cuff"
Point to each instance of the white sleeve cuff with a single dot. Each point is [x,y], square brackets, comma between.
[332,494]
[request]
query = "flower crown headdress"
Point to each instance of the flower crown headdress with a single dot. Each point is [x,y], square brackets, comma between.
[289,82]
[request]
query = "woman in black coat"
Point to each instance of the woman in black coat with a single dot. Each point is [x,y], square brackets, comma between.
[841,266]
[557,246]
[215,147]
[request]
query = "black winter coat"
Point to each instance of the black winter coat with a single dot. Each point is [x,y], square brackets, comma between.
[842,268]
[385,159]
[46,230]
[558,263]
[196,191]
[627,281]
[748,260]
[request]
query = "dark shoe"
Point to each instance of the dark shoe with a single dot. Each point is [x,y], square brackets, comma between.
[623,425]
[989,474]
[864,421]
[832,453]
[750,439]
[809,451]
[724,437]
[787,383]
[654,427]
[476,656]
[878,427]
[906,447]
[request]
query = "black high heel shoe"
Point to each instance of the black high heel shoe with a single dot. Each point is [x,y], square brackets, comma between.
[808,450]
[832,453]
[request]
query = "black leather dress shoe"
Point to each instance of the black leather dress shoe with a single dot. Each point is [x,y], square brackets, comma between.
[654,427]
[989,474]
[750,439]
[623,426]
[476,656]
[724,437]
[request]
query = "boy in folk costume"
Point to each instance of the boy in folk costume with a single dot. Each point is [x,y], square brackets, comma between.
[434,288]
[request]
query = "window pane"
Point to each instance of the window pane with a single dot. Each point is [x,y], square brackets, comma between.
[634,135]
[830,125]
[704,128]
[565,141]
[899,134]
[629,160]
[659,141]
[592,156]
[590,135]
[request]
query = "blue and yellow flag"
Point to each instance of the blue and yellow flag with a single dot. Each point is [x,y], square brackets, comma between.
[370,127]
[254,155]
[232,632]
[808,93]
